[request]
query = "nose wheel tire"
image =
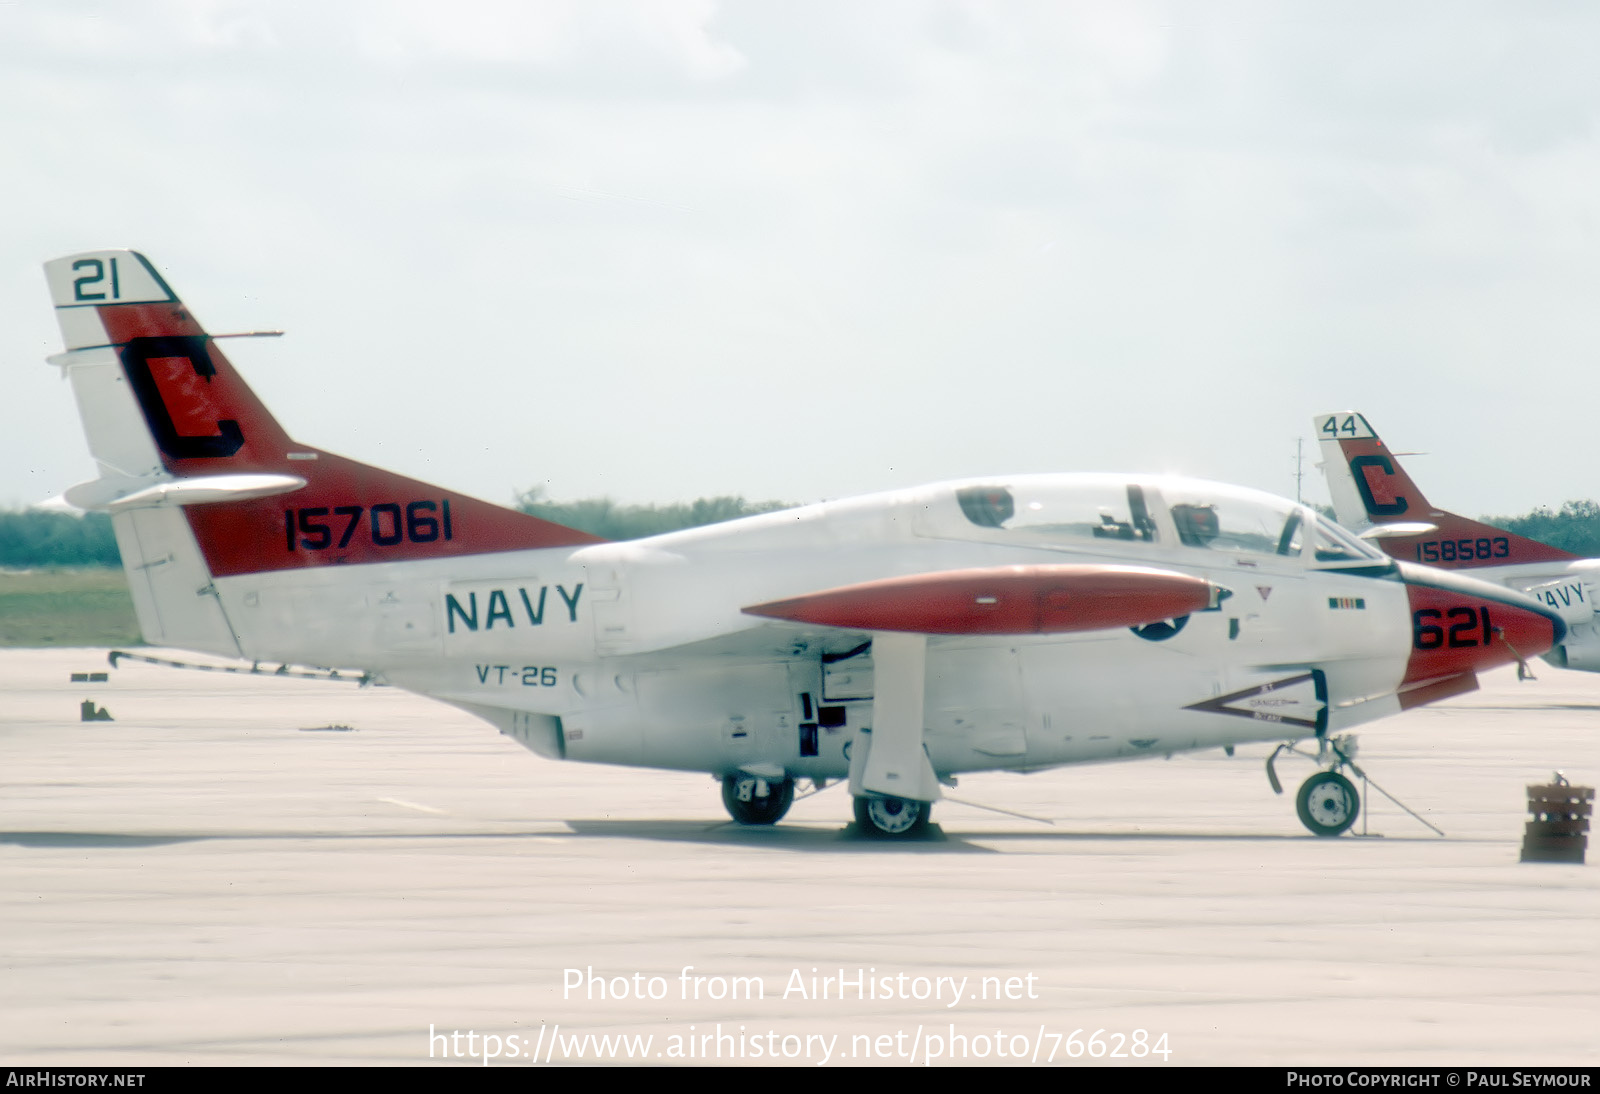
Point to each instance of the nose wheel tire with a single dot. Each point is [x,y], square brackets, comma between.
[747,804]
[1328,804]
[892,818]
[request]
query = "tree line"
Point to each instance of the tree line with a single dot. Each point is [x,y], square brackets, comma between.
[1574,527]
[605,518]
[37,538]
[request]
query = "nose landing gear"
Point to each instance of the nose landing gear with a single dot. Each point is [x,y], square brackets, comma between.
[1328,803]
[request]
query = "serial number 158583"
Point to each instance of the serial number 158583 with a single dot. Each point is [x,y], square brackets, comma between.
[1463,550]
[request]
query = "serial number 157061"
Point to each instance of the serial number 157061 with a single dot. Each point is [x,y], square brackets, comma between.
[386,525]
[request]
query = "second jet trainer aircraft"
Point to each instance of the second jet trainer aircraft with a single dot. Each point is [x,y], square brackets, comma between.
[1373,494]
[894,640]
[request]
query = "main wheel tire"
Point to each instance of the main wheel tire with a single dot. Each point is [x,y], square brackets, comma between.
[751,809]
[892,818]
[1328,803]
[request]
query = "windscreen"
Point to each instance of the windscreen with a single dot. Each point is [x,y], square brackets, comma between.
[1054,512]
[1236,523]
[1334,545]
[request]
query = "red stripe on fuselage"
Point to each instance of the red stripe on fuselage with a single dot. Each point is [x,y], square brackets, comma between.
[1435,690]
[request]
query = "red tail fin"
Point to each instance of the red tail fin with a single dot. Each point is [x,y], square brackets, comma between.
[1369,487]
[206,422]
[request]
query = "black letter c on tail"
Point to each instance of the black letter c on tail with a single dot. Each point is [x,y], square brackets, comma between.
[1358,469]
[136,358]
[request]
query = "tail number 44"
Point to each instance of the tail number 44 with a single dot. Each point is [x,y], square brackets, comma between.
[1466,627]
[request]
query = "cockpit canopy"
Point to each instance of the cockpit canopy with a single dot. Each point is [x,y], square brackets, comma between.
[1086,512]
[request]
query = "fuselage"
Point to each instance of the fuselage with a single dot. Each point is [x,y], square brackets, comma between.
[640,652]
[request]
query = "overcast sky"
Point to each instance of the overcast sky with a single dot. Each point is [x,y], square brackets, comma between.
[803,250]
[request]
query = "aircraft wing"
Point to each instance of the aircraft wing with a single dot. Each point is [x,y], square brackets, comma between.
[901,613]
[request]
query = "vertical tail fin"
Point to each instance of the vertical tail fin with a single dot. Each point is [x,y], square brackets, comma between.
[208,481]
[1371,490]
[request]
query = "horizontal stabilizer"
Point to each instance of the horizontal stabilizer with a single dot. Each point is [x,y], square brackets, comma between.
[107,493]
[1402,528]
[1051,599]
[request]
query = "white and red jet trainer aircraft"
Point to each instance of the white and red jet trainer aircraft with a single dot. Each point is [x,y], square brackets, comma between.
[1373,494]
[895,640]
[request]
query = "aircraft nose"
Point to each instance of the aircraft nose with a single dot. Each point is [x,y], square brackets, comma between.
[1460,624]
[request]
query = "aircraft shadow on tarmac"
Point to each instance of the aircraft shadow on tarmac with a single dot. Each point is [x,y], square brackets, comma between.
[788,837]
[938,840]
[93,840]
[726,833]
[1540,706]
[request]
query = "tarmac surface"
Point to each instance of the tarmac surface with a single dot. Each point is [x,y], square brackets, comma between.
[224,875]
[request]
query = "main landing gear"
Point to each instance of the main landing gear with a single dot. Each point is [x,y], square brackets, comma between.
[892,818]
[754,800]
